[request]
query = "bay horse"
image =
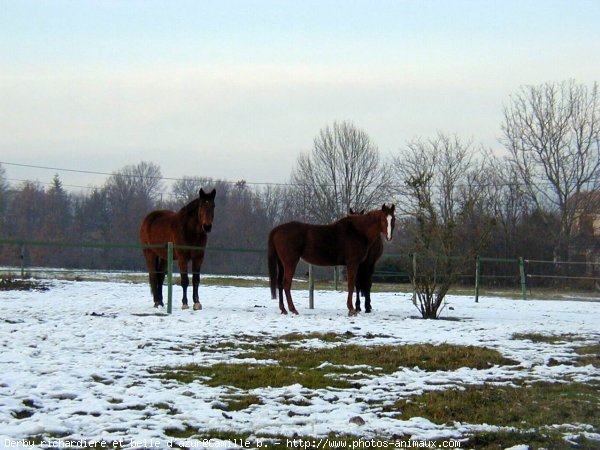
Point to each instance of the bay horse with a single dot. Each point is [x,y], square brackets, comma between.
[345,242]
[364,275]
[187,227]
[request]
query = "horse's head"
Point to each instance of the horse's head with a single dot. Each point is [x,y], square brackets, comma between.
[388,220]
[206,209]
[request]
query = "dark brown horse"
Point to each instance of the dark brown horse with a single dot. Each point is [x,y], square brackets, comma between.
[187,227]
[364,275]
[345,242]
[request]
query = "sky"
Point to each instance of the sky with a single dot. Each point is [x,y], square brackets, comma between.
[238,89]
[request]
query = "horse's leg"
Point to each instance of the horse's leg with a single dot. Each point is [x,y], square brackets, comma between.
[368,282]
[280,285]
[288,275]
[152,262]
[196,265]
[185,280]
[351,269]
[358,287]
[161,269]
[367,293]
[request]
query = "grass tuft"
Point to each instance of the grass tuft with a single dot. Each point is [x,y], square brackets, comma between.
[241,402]
[539,338]
[14,284]
[345,365]
[589,354]
[523,407]
[534,439]
[389,358]
[252,376]
[325,337]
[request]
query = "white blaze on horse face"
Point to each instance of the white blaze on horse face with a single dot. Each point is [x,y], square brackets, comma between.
[389,227]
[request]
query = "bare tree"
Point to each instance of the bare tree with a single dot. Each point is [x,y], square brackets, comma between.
[27,215]
[131,193]
[3,194]
[3,182]
[552,132]
[142,182]
[275,202]
[343,171]
[505,201]
[186,189]
[440,188]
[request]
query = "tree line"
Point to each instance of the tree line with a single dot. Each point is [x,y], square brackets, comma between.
[454,198]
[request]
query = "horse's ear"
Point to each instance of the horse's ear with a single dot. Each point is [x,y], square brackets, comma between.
[351,211]
[209,196]
[393,207]
[384,207]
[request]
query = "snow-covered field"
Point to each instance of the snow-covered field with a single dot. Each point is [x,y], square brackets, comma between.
[75,360]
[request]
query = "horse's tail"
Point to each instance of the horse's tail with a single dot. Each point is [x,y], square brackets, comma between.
[272,258]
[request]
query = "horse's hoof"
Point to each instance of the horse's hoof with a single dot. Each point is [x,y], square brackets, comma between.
[185,306]
[283,311]
[367,311]
[156,305]
[352,312]
[197,306]
[294,311]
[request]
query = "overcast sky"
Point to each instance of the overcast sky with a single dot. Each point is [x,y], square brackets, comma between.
[237,89]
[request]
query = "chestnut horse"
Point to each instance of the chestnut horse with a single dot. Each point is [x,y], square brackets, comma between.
[364,275]
[187,227]
[345,242]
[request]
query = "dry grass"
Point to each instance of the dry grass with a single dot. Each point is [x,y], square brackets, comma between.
[305,365]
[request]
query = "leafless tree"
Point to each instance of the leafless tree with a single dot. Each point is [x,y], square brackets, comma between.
[186,189]
[552,132]
[3,182]
[131,193]
[344,170]
[275,200]
[3,193]
[504,200]
[142,181]
[440,188]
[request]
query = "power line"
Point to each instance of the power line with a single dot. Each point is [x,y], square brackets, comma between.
[92,172]
[19,180]
[252,183]
[89,188]
[60,169]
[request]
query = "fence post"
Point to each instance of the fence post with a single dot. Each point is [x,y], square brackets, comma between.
[311,288]
[523,280]
[414,278]
[22,260]
[477,274]
[169,277]
[336,277]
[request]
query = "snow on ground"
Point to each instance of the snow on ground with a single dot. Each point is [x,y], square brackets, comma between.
[78,357]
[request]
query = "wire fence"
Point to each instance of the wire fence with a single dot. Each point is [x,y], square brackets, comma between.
[579,275]
[482,276]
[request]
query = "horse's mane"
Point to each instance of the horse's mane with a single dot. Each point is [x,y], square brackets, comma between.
[190,208]
[364,216]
